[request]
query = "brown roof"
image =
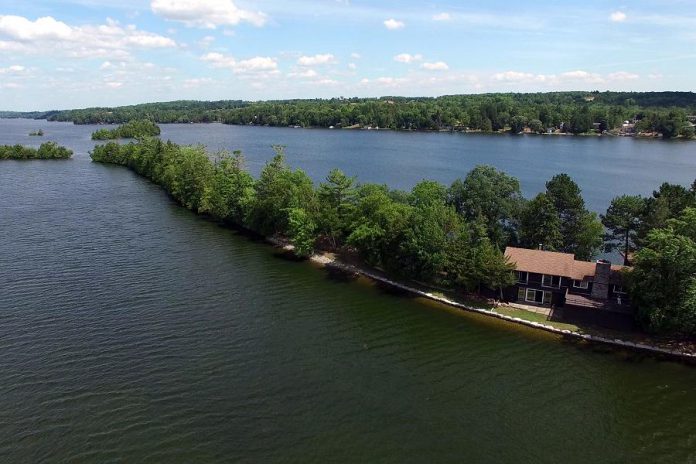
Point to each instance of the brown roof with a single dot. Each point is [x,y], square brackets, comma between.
[554,263]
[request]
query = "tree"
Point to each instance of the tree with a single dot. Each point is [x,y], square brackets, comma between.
[666,203]
[422,253]
[581,230]
[536,126]
[517,124]
[540,225]
[277,191]
[302,231]
[379,226]
[588,237]
[229,196]
[488,195]
[622,221]
[662,282]
[336,206]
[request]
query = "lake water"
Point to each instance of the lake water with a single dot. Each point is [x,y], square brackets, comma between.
[604,167]
[132,330]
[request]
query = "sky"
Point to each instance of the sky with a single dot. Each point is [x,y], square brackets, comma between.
[59,54]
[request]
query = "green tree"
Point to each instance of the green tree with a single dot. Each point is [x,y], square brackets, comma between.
[662,282]
[302,231]
[581,230]
[488,195]
[540,225]
[277,191]
[229,196]
[622,220]
[336,206]
[517,124]
[536,126]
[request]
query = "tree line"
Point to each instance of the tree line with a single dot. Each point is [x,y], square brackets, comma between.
[48,150]
[128,130]
[666,113]
[449,236]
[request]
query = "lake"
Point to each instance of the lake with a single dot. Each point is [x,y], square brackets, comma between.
[604,167]
[132,330]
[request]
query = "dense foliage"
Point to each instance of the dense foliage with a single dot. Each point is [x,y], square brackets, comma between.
[48,150]
[416,234]
[448,236]
[660,233]
[665,113]
[129,130]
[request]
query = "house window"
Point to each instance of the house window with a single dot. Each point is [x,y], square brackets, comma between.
[522,277]
[581,284]
[618,289]
[537,296]
[551,281]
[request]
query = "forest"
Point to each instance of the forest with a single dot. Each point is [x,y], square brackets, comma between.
[48,150]
[448,236]
[669,114]
[128,130]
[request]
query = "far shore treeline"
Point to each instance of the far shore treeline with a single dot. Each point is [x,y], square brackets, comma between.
[450,237]
[48,150]
[129,130]
[665,114]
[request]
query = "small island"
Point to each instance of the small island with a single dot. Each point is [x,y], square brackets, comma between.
[38,133]
[129,130]
[48,150]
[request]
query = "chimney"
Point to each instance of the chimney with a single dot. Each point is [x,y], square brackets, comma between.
[600,285]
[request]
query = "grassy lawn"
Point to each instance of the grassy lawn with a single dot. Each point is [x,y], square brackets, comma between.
[536,317]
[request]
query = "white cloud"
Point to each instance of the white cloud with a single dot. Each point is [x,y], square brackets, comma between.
[407,58]
[442,17]
[355,56]
[22,29]
[655,76]
[352,66]
[392,24]
[218,60]
[384,81]
[570,77]
[206,13]
[326,58]
[257,64]
[308,73]
[583,76]
[49,36]
[206,41]
[14,69]
[436,66]
[196,82]
[114,85]
[622,76]
[326,82]
[617,17]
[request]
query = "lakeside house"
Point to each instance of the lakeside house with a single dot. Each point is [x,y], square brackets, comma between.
[552,279]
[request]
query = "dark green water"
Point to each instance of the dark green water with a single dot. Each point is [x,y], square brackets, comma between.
[133,331]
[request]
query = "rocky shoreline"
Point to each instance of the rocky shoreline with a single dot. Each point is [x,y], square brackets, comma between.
[328,260]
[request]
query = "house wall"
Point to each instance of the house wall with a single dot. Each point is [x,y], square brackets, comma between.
[535,282]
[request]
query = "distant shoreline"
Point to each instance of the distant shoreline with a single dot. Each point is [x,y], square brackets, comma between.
[651,136]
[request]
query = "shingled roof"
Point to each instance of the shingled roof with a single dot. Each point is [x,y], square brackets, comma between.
[554,263]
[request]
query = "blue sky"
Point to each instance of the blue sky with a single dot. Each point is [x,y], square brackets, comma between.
[77,53]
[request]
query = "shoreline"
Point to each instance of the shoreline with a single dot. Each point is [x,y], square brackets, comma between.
[650,136]
[328,261]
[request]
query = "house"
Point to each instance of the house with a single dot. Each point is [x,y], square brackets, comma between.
[628,128]
[552,279]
